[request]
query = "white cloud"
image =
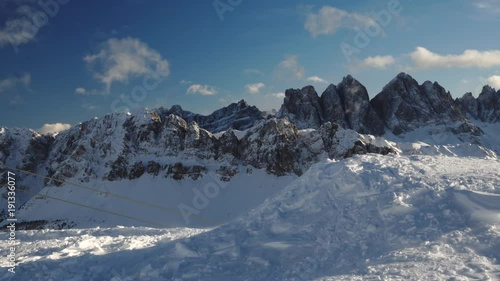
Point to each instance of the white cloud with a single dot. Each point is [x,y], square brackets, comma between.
[488,6]
[121,59]
[278,95]
[89,106]
[378,62]
[330,19]
[53,128]
[289,68]
[80,91]
[317,79]
[185,82]
[424,59]
[494,81]
[204,90]
[254,88]
[14,81]
[252,71]
[21,29]
[83,91]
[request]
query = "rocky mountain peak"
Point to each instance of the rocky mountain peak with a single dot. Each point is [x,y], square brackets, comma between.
[401,82]
[176,108]
[468,96]
[238,115]
[242,103]
[404,105]
[489,105]
[486,107]
[347,104]
[349,80]
[302,107]
[488,90]
[404,76]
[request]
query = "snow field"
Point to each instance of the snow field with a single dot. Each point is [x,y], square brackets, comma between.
[369,217]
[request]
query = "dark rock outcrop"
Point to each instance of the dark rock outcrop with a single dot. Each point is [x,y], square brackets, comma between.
[358,111]
[404,105]
[346,104]
[302,107]
[153,168]
[489,105]
[468,105]
[137,171]
[332,106]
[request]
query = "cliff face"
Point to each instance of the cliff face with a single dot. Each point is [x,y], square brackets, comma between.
[485,108]
[347,104]
[404,105]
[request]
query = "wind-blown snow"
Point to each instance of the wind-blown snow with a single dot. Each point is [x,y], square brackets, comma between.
[369,217]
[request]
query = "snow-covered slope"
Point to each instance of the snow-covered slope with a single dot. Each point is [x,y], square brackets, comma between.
[154,201]
[445,140]
[365,218]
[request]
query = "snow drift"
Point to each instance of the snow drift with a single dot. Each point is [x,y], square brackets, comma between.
[365,218]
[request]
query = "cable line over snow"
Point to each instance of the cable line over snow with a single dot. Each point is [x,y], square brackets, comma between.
[118,196]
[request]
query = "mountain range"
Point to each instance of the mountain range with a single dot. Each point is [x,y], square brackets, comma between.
[238,139]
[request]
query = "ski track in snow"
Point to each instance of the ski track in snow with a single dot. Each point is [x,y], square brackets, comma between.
[369,217]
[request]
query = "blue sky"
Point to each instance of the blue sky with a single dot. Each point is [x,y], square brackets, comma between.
[72,60]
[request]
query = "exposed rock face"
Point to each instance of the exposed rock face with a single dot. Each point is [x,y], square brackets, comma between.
[272,147]
[358,111]
[24,148]
[404,105]
[332,106]
[179,171]
[239,116]
[153,168]
[119,169]
[227,147]
[489,105]
[137,171]
[347,104]
[485,108]
[302,107]
[468,104]
[280,148]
